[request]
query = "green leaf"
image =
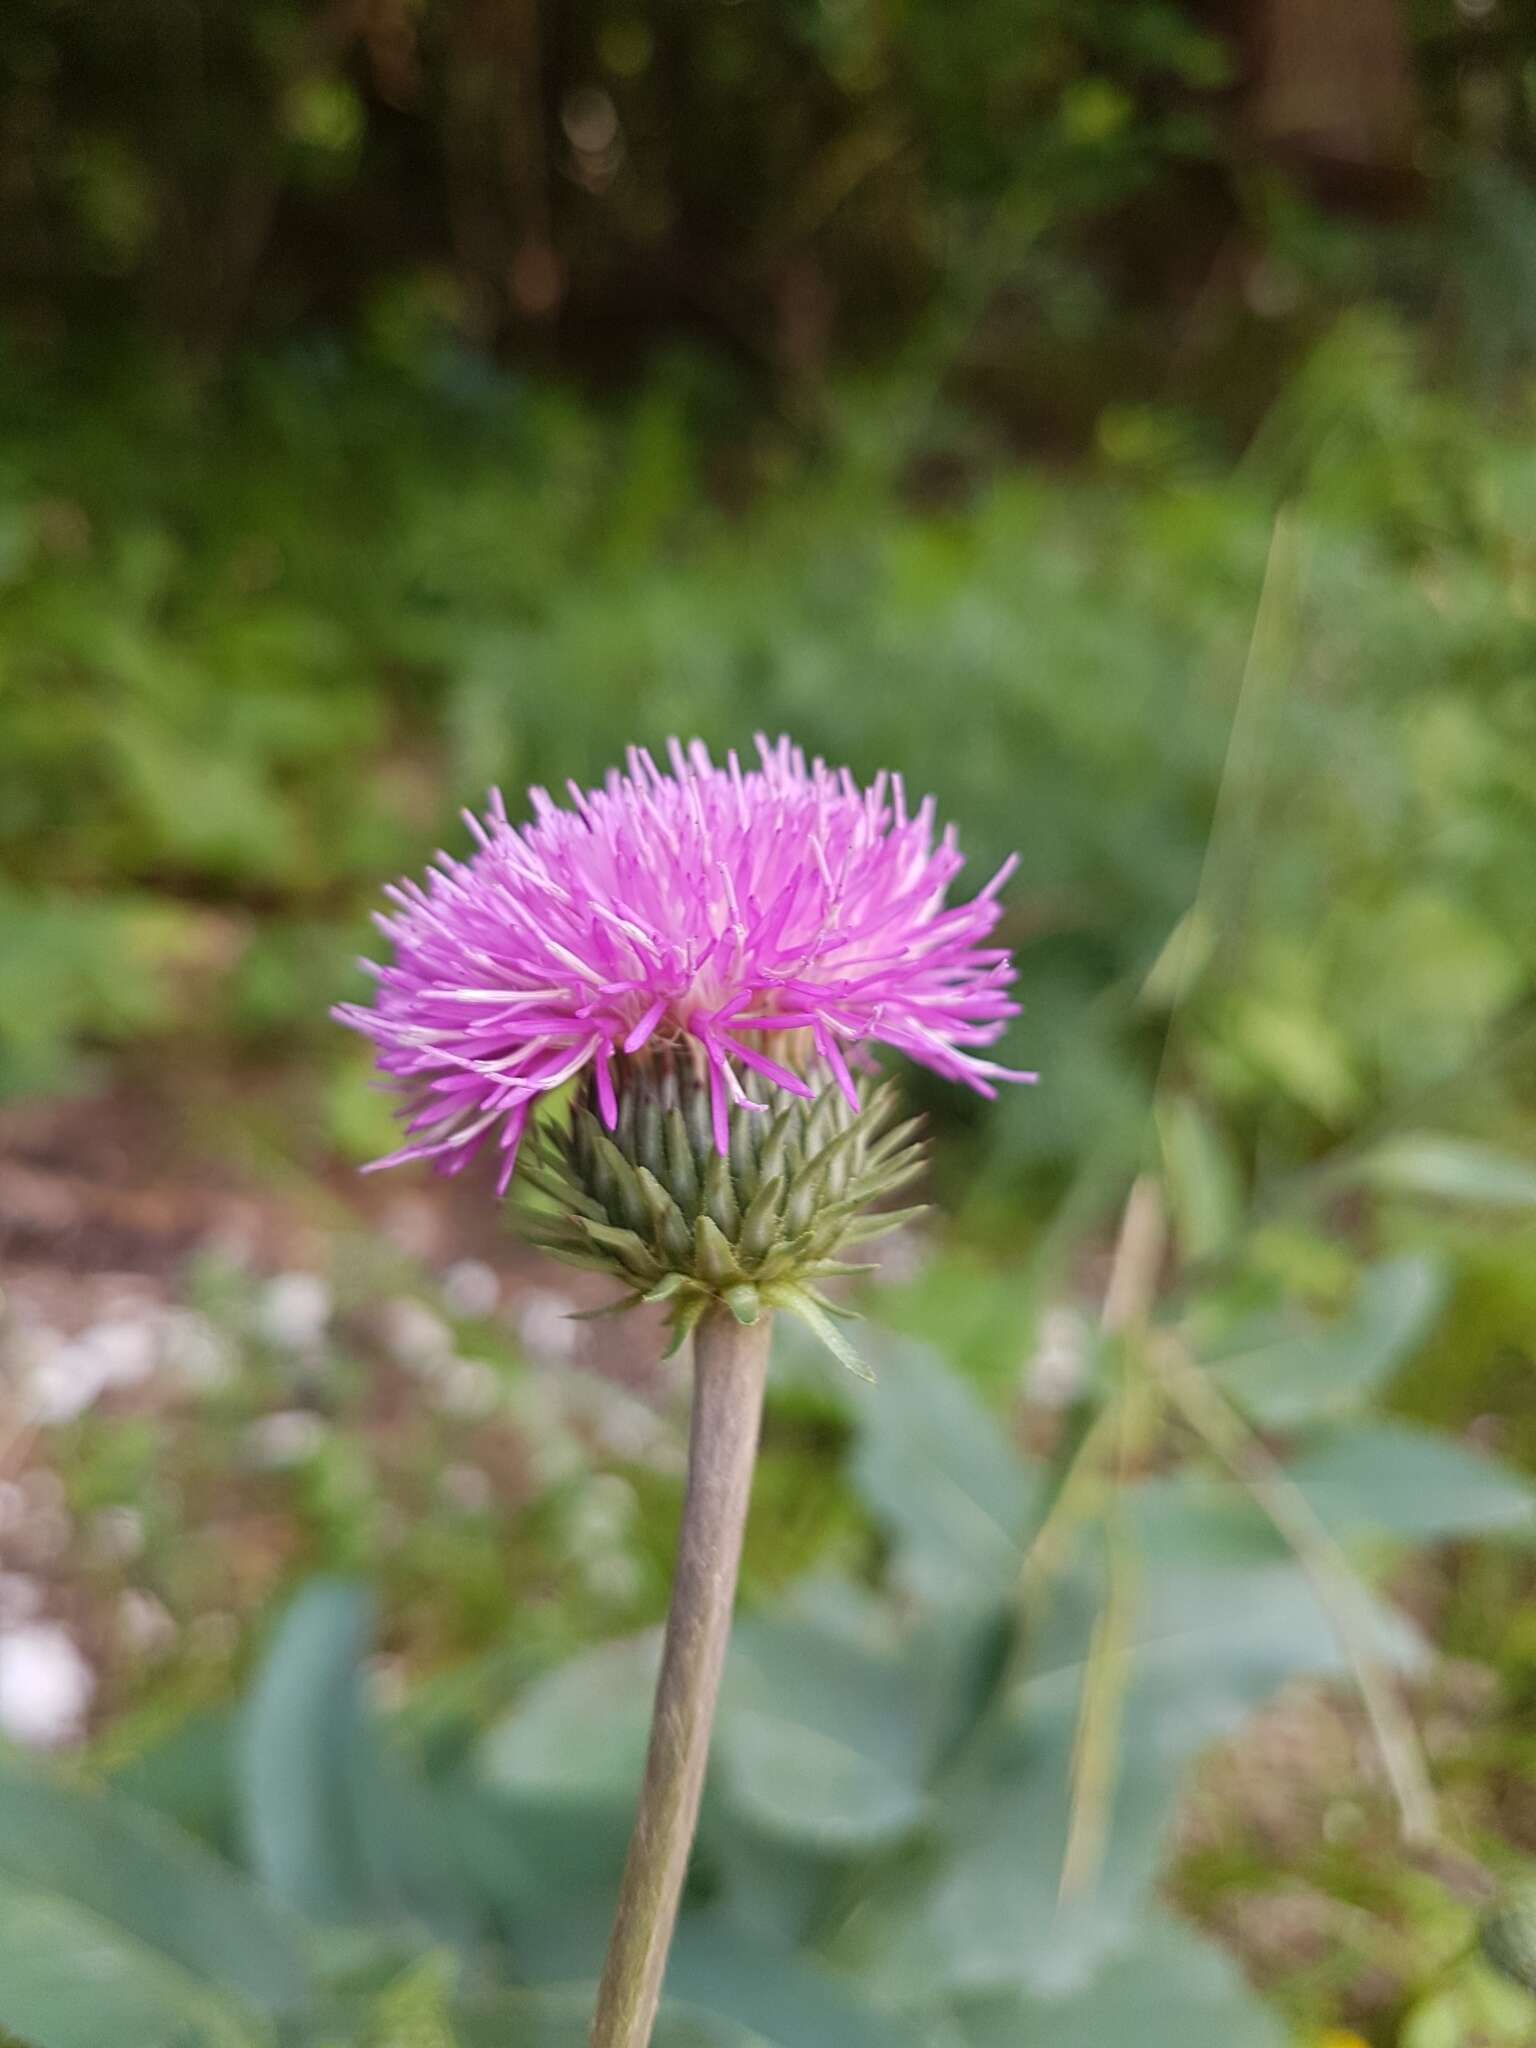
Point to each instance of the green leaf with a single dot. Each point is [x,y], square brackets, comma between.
[743,1992]
[188,1777]
[1362,1479]
[147,1915]
[818,1739]
[762,1882]
[1225,1619]
[724,1989]
[578,1733]
[205,809]
[1301,1375]
[297,1755]
[526,2019]
[1204,1185]
[1167,1989]
[548,1870]
[727,1983]
[1448,1170]
[989,1916]
[69,1980]
[338,1826]
[1298,1049]
[937,1471]
[1212,1638]
[1414,1485]
[413,2011]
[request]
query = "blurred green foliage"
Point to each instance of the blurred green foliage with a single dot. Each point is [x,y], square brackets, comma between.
[898,1772]
[1263,737]
[258,646]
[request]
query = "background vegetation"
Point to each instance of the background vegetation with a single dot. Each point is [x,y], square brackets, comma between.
[1119,418]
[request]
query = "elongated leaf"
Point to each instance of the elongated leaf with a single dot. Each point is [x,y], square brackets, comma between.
[488,2018]
[525,2019]
[1167,1989]
[296,1756]
[726,1987]
[548,1873]
[940,1475]
[1300,1375]
[1383,1479]
[989,1917]
[730,1994]
[188,1778]
[71,1980]
[413,2012]
[819,1740]
[580,1732]
[1449,1170]
[338,1825]
[1211,1639]
[762,1882]
[114,1927]
[1415,1485]
[766,1995]
[1204,1186]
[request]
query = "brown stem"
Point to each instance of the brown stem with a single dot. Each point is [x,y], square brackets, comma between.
[730,1367]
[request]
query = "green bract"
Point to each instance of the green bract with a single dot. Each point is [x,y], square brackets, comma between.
[674,1220]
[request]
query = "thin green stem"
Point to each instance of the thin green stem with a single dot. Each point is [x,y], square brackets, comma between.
[1128,1303]
[730,1369]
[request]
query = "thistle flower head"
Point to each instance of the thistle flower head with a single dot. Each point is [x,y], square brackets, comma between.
[735,938]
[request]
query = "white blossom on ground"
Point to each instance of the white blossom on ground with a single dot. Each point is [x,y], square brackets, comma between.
[294,1311]
[468,1389]
[1058,1370]
[46,1686]
[64,1376]
[603,1513]
[291,1437]
[127,1345]
[420,1340]
[196,1350]
[471,1289]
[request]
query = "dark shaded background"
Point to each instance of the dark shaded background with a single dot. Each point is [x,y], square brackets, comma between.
[1058,204]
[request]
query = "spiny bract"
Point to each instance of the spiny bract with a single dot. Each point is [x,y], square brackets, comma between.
[756,1226]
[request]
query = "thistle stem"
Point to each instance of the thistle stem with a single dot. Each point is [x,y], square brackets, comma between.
[730,1368]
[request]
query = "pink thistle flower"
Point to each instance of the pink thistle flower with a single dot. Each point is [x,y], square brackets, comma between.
[713,908]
